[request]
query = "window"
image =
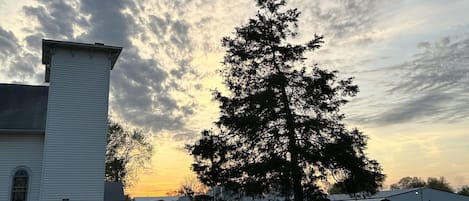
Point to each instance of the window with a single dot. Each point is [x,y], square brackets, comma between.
[19,187]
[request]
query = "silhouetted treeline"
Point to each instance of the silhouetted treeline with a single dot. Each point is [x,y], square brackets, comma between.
[431,182]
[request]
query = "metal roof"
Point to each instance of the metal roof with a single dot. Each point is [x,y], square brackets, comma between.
[378,196]
[23,108]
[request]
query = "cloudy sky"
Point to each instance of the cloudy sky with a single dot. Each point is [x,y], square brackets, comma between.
[410,59]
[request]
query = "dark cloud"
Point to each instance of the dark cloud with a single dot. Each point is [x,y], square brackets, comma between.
[442,66]
[159,25]
[34,41]
[419,109]
[140,85]
[172,36]
[180,38]
[17,64]
[140,88]
[343,19]
[23,67]
[8,43]
[430,88]
[56,18]
[182,69]
[108,24]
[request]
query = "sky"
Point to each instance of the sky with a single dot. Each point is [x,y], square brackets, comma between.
[409,58]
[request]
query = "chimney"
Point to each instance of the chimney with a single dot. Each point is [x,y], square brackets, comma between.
[76,124]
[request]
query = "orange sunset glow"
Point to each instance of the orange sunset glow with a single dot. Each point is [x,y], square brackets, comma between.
[409,59]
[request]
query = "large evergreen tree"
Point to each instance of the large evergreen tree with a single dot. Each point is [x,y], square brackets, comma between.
[280,127]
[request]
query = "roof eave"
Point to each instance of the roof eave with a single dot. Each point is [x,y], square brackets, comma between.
[47,45]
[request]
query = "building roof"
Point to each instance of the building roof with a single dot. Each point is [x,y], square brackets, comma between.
[23,108]
[378,196]
[422,193]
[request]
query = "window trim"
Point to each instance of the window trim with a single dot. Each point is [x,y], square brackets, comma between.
[12,175]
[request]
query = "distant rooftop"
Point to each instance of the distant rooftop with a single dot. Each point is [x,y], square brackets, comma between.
[378,196]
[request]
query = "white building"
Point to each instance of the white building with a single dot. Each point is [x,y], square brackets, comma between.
[53,138]
[414,194]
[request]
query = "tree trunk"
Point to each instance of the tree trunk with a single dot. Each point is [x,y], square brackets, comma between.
[296,171]
[293,149]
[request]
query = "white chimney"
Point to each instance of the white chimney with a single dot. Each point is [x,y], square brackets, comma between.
[76,125]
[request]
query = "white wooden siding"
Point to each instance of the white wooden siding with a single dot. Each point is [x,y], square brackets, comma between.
[19,150]
[76,126]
